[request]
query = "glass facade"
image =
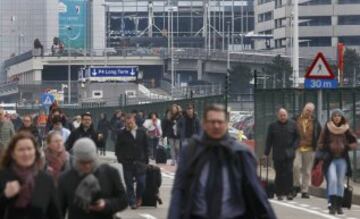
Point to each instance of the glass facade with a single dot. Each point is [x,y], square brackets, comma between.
[315,41]
[129,22]
[315,21]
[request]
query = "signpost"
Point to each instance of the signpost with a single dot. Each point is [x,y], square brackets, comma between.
[319,76]
[46,100]
[112,73]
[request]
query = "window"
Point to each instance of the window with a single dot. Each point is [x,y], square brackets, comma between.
[260,2]
[343,2]
[281,22]
[265,16]
[314,41]
[316,2]
[315,21]
[280,43]
[350,40]
[267,32]
[349,20]
[278,3]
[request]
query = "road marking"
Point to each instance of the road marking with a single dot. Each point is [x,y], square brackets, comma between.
[304,209]
[304,205]
[352,218]
[147,216]
[168,176]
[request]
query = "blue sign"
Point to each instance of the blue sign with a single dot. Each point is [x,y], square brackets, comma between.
[113,73]
[47,99]
[321,83]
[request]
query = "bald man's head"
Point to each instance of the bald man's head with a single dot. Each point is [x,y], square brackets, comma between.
[308,110]
[282,115]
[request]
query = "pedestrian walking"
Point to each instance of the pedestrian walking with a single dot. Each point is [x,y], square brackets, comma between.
[7,130]
[189,124]
[335,141]
[116,125]
[216,176]
[86,129]
[103,129]
[27,190]
[29,127]
[58,127]
[153,128]
[90,189]
[309,130]
[282,139]
[132,152]
[57,159]
[170,130]
[41,122]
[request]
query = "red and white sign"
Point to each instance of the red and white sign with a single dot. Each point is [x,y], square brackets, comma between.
[319,69]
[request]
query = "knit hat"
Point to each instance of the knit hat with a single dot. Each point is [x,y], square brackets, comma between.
[85,150]
[338,112]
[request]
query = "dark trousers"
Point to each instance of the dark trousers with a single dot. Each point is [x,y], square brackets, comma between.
[131,173]
[283,176]
[153,143]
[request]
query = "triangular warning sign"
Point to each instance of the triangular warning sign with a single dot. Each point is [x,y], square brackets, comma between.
[320,68]
[47,100]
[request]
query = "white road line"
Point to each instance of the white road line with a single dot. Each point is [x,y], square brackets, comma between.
[352,218]
[147,216]
[168,176]
[304,205]
[304,209]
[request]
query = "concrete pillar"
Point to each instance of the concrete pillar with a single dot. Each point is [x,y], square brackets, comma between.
[200,69]
[36,75]
[98,28]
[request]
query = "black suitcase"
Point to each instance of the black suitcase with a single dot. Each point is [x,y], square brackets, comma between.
[268,185]
[153,182]
[161,155]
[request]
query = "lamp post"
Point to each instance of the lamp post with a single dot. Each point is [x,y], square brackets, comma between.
[227,76]
[69,28]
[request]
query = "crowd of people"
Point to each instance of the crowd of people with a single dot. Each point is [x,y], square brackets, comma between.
[300,144]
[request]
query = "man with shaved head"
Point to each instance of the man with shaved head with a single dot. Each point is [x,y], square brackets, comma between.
[282,139]
[309,130]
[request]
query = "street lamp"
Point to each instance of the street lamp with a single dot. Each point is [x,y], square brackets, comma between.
[69,28]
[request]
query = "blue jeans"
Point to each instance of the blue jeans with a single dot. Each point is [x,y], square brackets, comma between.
[130,173]
[336,177]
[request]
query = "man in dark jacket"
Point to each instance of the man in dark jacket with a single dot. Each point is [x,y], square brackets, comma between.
[132,152]
[86,129]
[283,138]
[90,190]
[189,124]
[199,192]
[309,129]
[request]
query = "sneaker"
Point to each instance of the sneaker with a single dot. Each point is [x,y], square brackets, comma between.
[280,198]
[305,195]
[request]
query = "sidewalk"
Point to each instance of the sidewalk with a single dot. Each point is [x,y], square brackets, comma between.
[319,191]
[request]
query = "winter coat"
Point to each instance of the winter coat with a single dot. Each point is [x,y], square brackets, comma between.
[44,204]
[170,127]
[316,132]
[104,127]
[130,150]
[182,200]
[81,133]
[283,138]
[7,131]
[331,138]
[112,191]
[183,125]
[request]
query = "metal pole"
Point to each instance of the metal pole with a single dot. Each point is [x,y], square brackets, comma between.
[296,43]
[354,79]
[232,23]
[172,50]
[223,25]
[69,71]
[227,78]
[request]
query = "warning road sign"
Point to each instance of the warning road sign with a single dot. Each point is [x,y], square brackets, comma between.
[47,99]
[319,69]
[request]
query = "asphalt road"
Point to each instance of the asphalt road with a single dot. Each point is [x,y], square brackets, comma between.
[314,208]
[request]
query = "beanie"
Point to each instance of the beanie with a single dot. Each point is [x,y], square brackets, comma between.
[85,150]
[337,111]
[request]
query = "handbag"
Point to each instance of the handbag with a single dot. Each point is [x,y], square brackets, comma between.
[317,174]
[268,186]
[348,193]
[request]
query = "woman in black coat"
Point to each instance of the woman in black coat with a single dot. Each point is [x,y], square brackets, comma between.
[26,190]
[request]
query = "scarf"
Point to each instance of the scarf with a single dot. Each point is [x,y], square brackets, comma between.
[56,161]
[218,154]
[27,182]
[337,130]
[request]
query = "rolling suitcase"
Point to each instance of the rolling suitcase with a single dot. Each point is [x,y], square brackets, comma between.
[153,183]
[161,155]
[266,183]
